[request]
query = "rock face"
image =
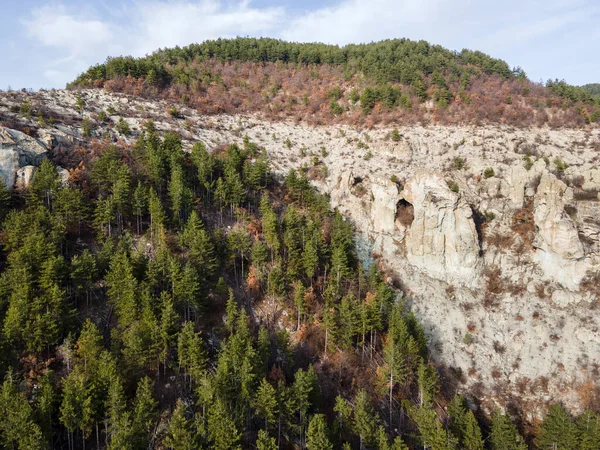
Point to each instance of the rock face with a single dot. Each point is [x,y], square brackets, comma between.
[442,240]
[9,164]
[18,150]
[558,248]
[383,209]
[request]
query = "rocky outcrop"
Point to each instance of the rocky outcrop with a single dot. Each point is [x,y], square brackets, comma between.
[383,208]
[558,248]
[24,176]
[18,150]
[9,164]
[442,240]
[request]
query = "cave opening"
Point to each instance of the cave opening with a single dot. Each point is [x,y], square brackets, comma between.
[405,212]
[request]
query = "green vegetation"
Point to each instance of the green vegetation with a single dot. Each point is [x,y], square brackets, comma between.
[488,172]
[398,60]
[593,88]
[123,127]
[149,271]
[573,93]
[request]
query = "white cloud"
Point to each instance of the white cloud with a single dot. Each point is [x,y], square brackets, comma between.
[354,21]
[55,27]
[181,23]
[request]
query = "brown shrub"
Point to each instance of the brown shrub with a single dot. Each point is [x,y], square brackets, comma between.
[523,224]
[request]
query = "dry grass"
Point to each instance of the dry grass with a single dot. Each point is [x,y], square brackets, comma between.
[523,224]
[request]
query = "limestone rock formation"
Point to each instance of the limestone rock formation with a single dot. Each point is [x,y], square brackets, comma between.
[558,248]
[18,150]
[383,209]
[442,240]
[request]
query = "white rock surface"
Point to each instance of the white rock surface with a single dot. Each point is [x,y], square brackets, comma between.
[442,240]
[18,150]
[558,248]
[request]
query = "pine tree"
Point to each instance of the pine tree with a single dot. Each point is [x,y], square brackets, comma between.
[45,184]
[263,347]
[239,243]
[364,419]
[428,383]
[201,248]
[265,442]
[139,204]
[265,402]
[157,213]
[222,429]
[89,345]
[472,439]
[45,403]
[17,427]
[348,321]
[299,293]
[5,200]
[317,435]
[588,426]
[168,328]
[84,273]
[270,225]
[396,368]
[120,429]
[145,413]
[558,431]
[179,430]
[310,259]
[463,425]
[122,288]
[304,390]
[433,434]
[231,312]
[205,165]
[179,194]
[344,416]
[504,434]
[190,351]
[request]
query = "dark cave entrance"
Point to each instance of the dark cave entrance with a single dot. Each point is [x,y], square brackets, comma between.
[405,213]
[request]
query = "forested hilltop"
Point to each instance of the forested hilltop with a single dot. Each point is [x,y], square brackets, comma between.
[393,81]
[186,300]
[593,88]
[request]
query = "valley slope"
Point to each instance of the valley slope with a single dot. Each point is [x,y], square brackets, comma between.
[490,232]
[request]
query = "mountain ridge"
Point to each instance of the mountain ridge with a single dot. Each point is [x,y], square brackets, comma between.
[398,81]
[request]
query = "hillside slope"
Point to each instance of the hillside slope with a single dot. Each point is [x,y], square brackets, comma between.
[491,232]
[396,81]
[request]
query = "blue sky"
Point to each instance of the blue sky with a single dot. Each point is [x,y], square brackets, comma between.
[47,43]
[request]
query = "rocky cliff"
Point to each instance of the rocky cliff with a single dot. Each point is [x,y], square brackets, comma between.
[490,232]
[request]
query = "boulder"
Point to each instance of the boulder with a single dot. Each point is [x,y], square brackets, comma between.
[18,150]
[64,175]
[442,240]
[24,176]
[9,164]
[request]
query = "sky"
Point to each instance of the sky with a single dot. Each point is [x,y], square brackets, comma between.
[46,44]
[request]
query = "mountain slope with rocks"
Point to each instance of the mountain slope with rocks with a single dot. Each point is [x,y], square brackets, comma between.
[490,232]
